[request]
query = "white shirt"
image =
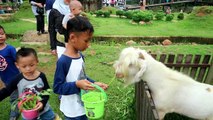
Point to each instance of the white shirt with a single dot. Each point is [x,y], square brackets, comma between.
[71,105]
[61,7]
[66,19]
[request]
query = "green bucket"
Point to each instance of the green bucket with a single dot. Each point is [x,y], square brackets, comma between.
[94,102]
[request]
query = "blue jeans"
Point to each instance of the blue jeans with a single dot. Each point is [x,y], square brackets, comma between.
[14,113]
[49,115]
[83,117]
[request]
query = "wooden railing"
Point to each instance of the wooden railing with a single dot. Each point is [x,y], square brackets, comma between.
[197,66]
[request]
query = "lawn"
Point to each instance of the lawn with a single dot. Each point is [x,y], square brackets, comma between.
[100,56]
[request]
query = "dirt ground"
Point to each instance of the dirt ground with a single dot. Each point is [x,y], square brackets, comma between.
[32,36]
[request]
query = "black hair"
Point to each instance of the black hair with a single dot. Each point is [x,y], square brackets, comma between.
[1,27]
[24,52]
[79,24]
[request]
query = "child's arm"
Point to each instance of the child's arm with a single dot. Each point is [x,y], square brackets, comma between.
[45,98]
[60,85]
[5,92]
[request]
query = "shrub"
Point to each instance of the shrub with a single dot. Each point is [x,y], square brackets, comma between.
[99,13]
[136,18]
[145,16]
[120,13]
[169,17]
[160,15]
[148,17]
[180,16]
[106,14]
[128,14]
[112,10]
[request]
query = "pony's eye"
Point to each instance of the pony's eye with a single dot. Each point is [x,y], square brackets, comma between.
[130,65]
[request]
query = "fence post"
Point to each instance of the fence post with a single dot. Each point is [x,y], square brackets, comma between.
[209,78]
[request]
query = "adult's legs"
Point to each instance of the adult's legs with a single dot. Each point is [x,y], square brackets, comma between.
[37,23]
[55,21]
[51,29]
[40,23]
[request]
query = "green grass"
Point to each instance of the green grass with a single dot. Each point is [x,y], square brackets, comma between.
[19,27]
[100,57]
[121,26]
[192,25]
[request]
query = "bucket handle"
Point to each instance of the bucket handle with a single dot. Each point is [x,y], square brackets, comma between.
[101,89]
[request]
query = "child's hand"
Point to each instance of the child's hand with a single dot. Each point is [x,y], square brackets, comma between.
[84,84]
[39,106]
[102,85]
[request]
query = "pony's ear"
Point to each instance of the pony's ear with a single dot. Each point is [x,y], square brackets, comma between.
[141,56]
[143,66]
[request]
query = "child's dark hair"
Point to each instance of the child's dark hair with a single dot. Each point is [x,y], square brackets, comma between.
[79,24]
[24,52]
[1,27]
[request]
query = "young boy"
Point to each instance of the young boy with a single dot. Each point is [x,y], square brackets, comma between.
[29,80]
[76,9]
[8,68]
[70,76]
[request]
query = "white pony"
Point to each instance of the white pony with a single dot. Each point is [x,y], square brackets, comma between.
[172,91]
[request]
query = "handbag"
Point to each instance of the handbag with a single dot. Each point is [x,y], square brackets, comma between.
[40,10]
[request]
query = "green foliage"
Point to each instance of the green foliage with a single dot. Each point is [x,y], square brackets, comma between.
[120,13]
[180,16]
[29,100]
[120,105]
[25,11]
[160,15]
[136,18]
[128,14]
[8,19]
[169,17]
[106,14]
[145,16]
[99,13]
[112,10]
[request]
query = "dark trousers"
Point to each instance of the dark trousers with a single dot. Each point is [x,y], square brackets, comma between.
[40,23]
[54,26]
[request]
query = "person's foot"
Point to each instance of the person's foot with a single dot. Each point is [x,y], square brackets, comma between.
[38,33]
[44,32]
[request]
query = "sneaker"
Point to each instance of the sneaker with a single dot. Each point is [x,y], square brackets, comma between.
[57,117]
[38,33]
[44,32]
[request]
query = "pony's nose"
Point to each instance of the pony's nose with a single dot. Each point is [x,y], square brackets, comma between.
[119,75]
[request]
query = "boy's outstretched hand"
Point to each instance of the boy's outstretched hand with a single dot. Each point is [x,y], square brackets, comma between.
[102,85]
[84,84]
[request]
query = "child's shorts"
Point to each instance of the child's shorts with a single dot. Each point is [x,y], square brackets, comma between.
[83,117]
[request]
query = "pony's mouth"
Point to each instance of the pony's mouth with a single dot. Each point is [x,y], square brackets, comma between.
[119,75]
